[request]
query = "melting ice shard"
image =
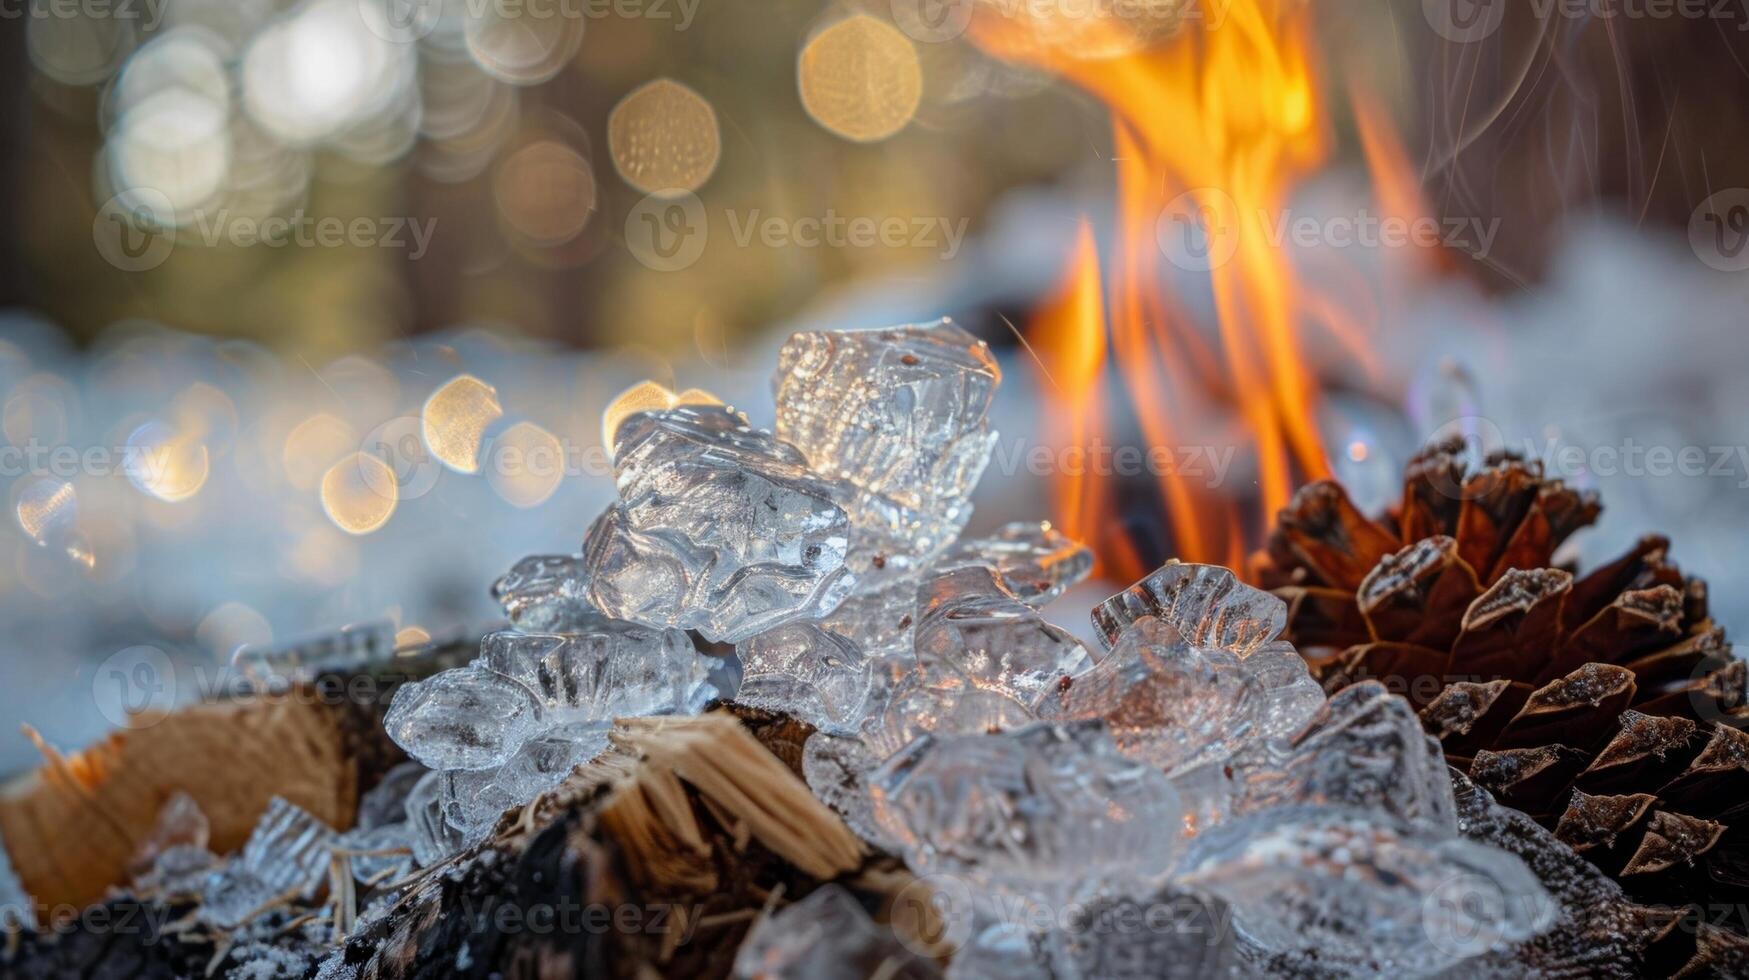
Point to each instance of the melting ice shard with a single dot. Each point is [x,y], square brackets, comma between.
[831,671]
[432,837]
[808,671]
[1365,748]
[720,528]
[1290,695]
[837,769]
[1053,812]
[828,936]
[286,855]
[473,801]
[476,717]
[606,669]
[1366,891]
[546,592]
[899,413]
[1165,702]
[1207,604]
[1169,935]
[1035,561]
[984,661]
[467,718]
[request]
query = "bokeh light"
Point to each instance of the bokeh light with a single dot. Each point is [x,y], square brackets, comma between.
[165,462]
[646,396]
[45,508]
[358,493]
[511,45]
[525,465]
[454,421]
[861,79]
[545,192]
[321,69]
[313,445]
[663,138]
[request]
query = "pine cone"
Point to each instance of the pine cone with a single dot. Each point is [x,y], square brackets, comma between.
[1607,706]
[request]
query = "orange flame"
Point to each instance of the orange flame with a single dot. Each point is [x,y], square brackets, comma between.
[1214,126]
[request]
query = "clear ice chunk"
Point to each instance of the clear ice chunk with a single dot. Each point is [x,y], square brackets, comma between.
[1034,560]
[288,850]
[546,593]
[827,936]
[607,668]
[477,717]
[432,838]
[984,661]
[899,413]
[466,718]
[1366,749]
[178,870]
[231,897]
[1165,702]
[386,802]
[807,670]
[181,822]
[473,801]
[1048,812]
[287,856]
[1207,604]
[1290,694]
[1364,891]
[1170,935]
[836,770]
[378,854]
[1000,951]
[720,528]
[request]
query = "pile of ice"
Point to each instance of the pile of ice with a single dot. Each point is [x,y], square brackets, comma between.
[1190,758]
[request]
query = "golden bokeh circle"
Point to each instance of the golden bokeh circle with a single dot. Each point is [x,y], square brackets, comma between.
[527,464]
[861,79]
[454,419]
[546,192]
[663,138]
[353,493]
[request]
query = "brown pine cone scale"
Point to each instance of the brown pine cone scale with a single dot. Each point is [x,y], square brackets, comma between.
[1608,705]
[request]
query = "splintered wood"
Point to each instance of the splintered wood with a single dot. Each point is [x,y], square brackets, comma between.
[73,826]
[748,789]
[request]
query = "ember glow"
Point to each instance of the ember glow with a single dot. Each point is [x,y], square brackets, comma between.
[1212,130]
